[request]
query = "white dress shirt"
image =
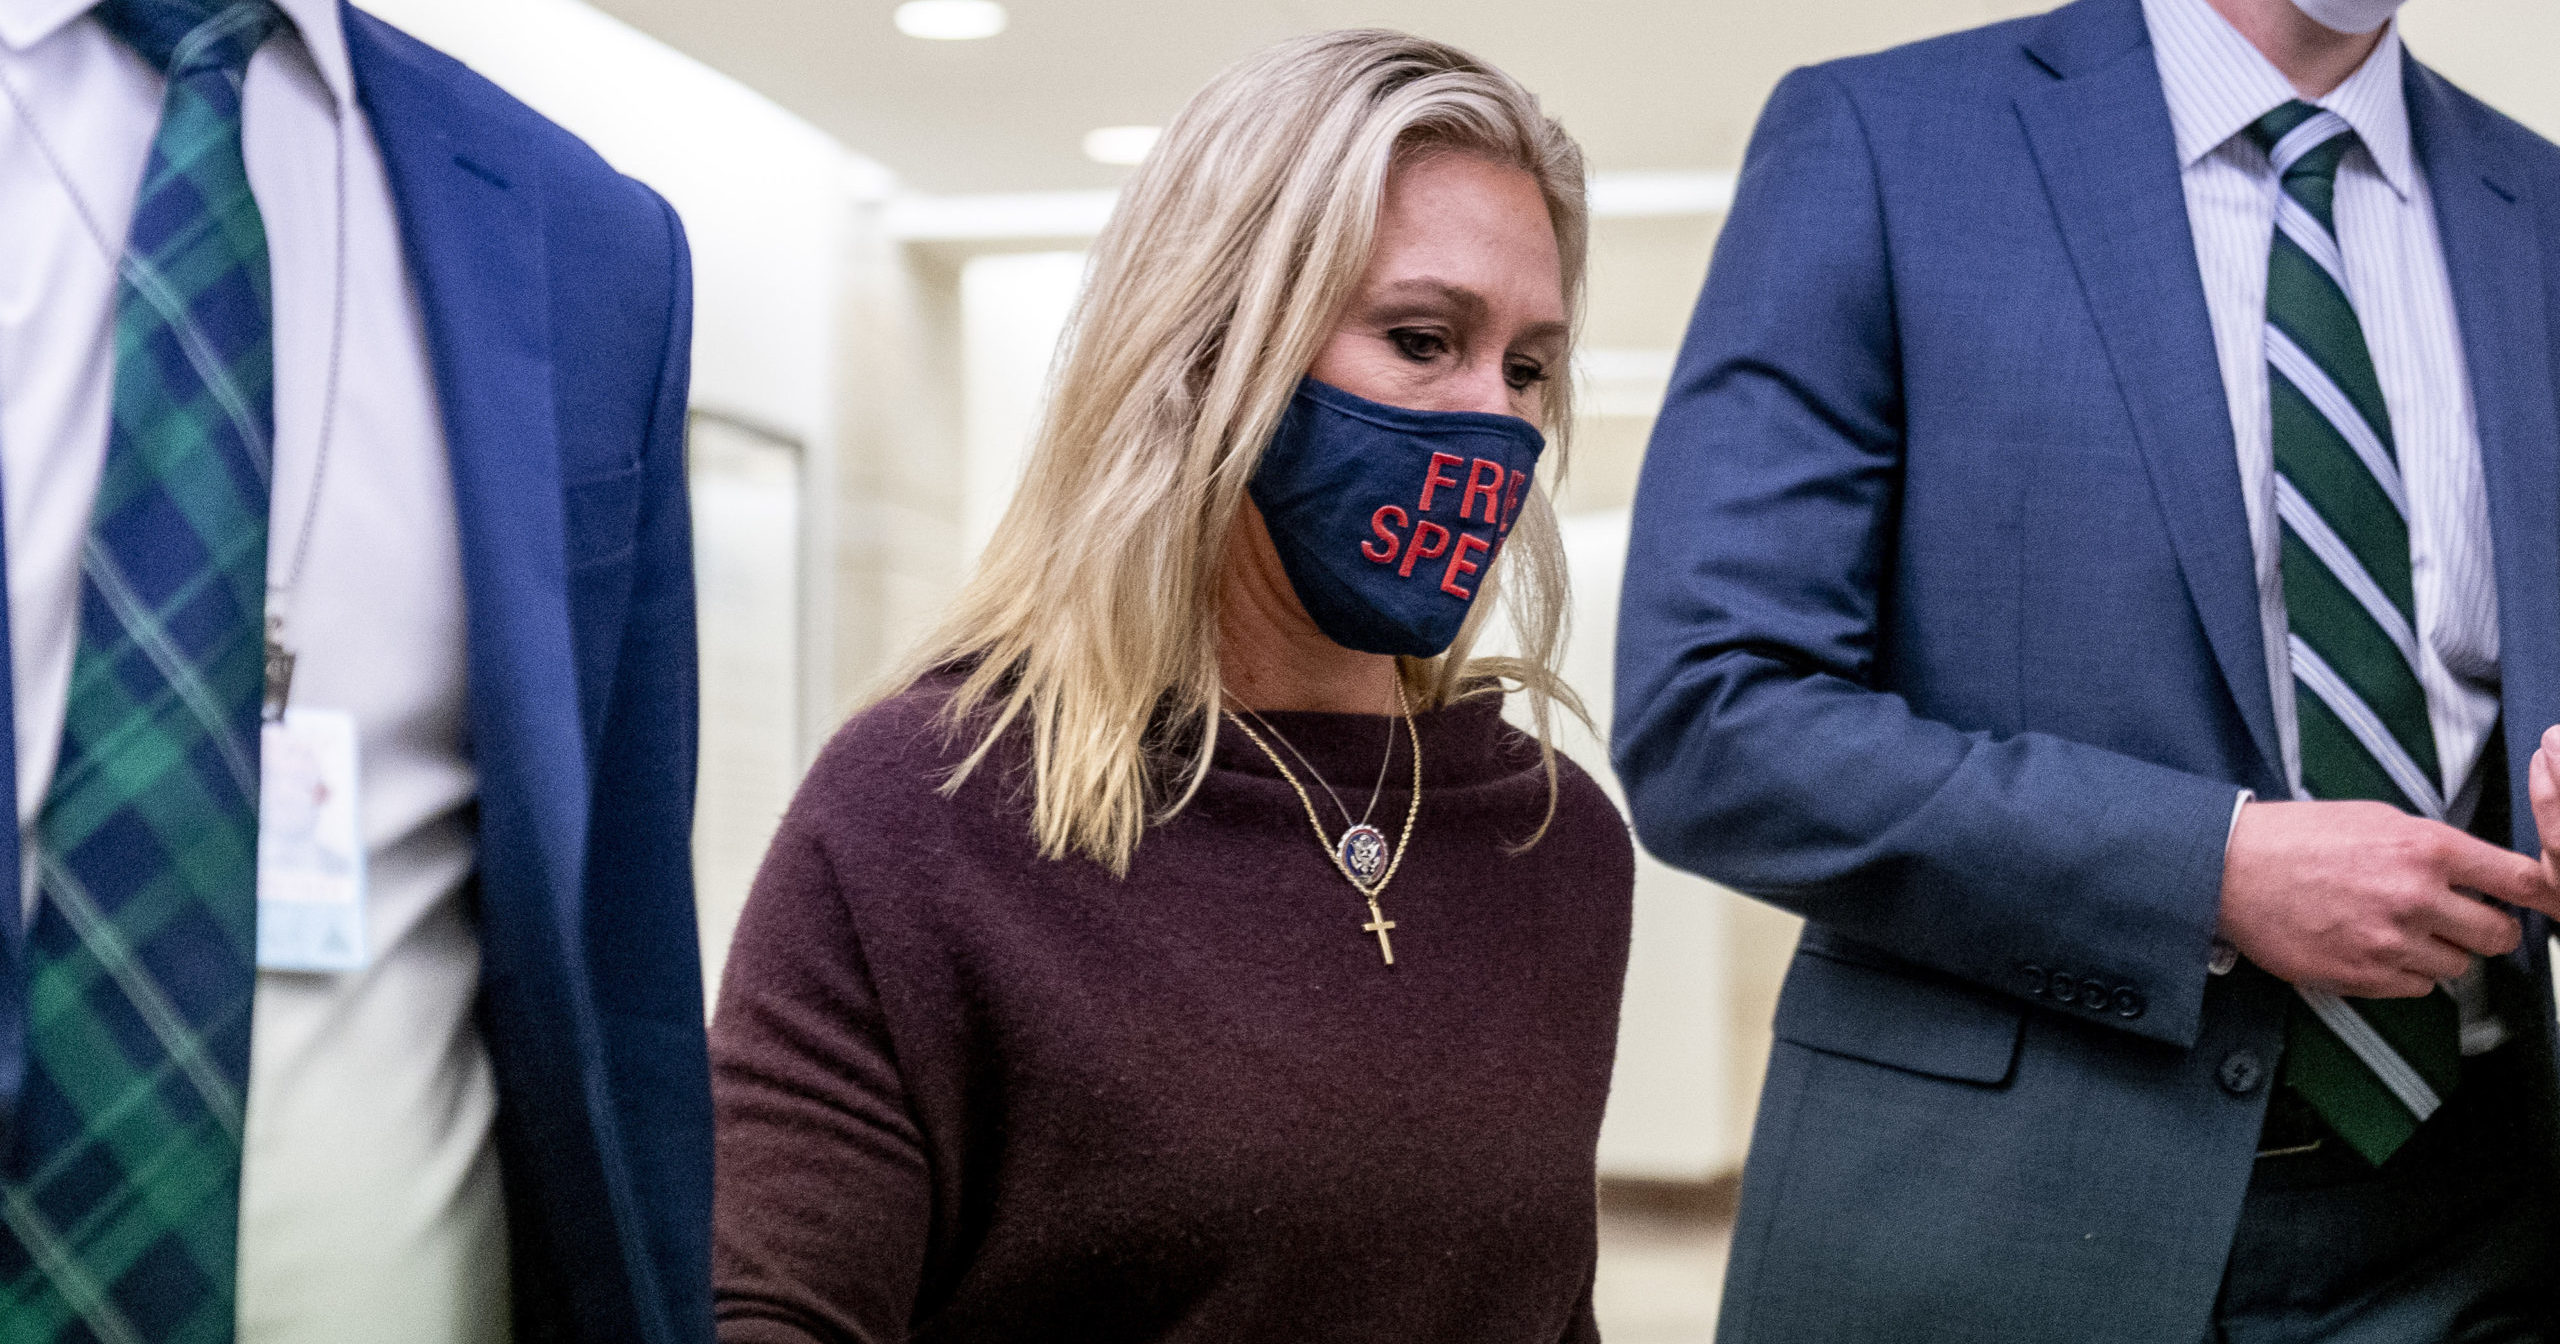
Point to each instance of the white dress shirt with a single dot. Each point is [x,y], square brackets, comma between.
[2217,84]
[370,1204]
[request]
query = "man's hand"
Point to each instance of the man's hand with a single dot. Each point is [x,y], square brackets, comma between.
[2360,898]
[2542,781]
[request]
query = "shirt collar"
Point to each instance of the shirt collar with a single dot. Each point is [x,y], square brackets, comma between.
[2218,83]
[25,23]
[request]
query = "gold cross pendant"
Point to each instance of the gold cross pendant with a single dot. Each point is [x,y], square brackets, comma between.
[1379,924]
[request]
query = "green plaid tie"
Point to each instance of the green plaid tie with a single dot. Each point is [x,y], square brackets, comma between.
[2373,1068]
[123,1199]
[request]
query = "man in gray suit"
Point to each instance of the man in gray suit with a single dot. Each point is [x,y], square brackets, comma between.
[2100,564]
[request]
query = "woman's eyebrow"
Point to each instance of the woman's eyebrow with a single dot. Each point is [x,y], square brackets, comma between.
[1457,300]
[1417,290]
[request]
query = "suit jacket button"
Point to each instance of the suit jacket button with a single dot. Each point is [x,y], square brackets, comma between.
[2062,987]
[2241,1072]
[2093,996]
[2033,976]
[2127,1003]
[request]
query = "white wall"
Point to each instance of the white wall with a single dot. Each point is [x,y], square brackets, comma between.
[767,199]
[748,504]
[2500,50]
[1671,1114]
[1012,307]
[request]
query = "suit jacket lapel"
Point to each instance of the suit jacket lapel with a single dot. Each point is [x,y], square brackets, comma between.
[2493,254]
[2102,142]
[471,229]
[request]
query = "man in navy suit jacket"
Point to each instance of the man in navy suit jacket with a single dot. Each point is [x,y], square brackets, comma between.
[2099,562]
[383,337]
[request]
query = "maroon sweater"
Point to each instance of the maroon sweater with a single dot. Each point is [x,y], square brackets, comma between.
[969,1094]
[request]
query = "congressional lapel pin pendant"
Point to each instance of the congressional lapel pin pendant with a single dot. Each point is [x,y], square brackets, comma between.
[311,858]
[1363,851]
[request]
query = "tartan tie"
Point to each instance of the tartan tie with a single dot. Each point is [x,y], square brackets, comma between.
[2374,1069]
[122,1203]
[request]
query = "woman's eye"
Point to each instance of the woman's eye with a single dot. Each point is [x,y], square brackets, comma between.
[1523,374]
[1418,345]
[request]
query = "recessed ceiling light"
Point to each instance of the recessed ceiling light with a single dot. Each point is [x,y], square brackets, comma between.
[1122,145]
[950,20]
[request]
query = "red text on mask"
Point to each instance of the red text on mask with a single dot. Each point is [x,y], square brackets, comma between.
[1429,541]
[1487,480]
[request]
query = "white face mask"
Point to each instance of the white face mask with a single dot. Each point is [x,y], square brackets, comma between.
[2349,16]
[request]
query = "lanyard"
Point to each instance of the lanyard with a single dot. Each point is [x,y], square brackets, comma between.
[280,655]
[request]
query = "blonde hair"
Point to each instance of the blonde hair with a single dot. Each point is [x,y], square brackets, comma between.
[1092,620]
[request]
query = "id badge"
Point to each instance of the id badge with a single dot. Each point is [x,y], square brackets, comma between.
[310,845]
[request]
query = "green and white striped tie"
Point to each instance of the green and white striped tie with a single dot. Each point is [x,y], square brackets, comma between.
[2373,1068]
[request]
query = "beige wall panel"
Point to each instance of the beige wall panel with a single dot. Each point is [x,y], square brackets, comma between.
[2500,50]
[899,485]
[1644,280]
[1607,452]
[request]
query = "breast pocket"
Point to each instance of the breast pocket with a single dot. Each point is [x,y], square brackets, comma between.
[1940,1028]
[603,517]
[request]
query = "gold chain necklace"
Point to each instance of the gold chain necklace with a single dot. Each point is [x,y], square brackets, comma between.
[1362,854]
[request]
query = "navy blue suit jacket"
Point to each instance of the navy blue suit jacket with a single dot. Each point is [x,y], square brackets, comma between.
[558,305]
[1941,629]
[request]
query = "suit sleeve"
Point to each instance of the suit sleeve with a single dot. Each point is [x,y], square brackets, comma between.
[1757,743]
[642,944]
[824,1203]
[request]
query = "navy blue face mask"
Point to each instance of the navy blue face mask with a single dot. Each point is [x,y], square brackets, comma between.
[1387,519]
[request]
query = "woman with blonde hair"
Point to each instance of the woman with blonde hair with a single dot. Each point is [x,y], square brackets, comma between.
[1189,950]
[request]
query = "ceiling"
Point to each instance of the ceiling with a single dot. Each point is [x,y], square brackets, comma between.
[1645,84]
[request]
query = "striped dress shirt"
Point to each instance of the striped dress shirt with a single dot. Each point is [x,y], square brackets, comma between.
[2217,84]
